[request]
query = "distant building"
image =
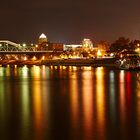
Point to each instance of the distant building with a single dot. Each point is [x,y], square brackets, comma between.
[42,39]
[72,47]
[56,46]
[42,42]
[87,44]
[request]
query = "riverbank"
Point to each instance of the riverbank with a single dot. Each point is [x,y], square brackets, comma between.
[106,62]
[81,62]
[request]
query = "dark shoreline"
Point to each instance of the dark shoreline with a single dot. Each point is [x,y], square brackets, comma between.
[105,62]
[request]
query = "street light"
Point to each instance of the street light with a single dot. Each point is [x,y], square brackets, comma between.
[43,57]
[24,45]
[138,45]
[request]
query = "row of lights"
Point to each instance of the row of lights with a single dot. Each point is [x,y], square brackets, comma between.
[24,45]
[26,58]
[34,58]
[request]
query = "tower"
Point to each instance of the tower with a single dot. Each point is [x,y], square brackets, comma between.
[43,42]
[42,39]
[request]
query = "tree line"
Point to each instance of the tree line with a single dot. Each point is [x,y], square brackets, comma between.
[123,43]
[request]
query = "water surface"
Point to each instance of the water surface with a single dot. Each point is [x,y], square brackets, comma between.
[69,103]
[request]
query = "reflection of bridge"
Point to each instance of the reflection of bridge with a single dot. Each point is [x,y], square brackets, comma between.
[9,47]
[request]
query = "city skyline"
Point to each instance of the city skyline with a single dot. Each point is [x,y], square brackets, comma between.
[69,21]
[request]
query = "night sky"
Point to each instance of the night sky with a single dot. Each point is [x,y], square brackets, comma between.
[69,21]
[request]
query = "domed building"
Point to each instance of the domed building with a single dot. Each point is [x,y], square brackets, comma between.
[43,42]
[45,45]
[42,39]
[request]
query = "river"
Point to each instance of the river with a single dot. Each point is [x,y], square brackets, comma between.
[69,103]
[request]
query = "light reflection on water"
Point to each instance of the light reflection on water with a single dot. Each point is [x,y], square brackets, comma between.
[138,103]
[100,102]
[61,102]
[122,98]
[87,97]
[112,90]
[25,106]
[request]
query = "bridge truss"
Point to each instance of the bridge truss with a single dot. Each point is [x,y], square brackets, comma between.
[9,46]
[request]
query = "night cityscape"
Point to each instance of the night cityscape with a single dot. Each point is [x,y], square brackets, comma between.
[70,70]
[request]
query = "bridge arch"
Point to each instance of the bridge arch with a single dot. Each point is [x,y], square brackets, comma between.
[6,45]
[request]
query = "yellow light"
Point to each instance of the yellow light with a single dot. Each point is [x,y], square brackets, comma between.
[16,57]
[34,58]
[64,67]
[137,50]
[100,97]
[87,68]
[24,45]
[43,58]
[99,53]
[43,67]
[70,67]
[36,72]
[55,67]
[25,58]
[121,55]
[25,71]
[74,67]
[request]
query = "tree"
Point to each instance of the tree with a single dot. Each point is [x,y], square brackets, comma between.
[135,44]
[120,44]
[103,45]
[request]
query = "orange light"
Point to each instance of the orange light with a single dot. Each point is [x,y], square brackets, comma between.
[34,58]
[99,53]
[25,58]
[121,55]
[43,58]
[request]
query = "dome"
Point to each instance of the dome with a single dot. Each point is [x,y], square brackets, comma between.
[42,39]
[42,36]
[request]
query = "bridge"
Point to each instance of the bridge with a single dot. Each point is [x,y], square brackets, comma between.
[6,45]
[9,47]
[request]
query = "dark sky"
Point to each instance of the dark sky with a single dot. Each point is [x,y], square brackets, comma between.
[69,21]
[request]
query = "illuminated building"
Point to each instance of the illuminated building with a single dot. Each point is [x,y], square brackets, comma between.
[42,39]
[87,44]
[43,42]
[71,47]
